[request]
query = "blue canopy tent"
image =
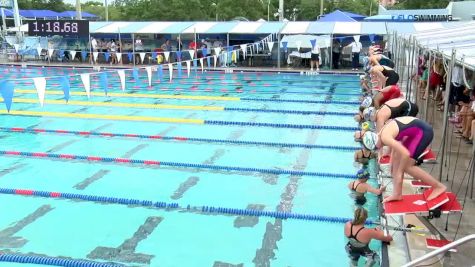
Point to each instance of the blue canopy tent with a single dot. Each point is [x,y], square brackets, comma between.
[342,16]
[48,14]
[72,14]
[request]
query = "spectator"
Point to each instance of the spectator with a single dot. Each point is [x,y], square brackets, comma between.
[217,43]
[166,47]
[113,50]
[138,49]
[315,57]
[356,47]
[336,50]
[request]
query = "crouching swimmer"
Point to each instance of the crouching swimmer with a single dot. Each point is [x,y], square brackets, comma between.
[359,238]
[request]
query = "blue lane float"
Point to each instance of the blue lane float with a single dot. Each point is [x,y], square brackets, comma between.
[301,101]
[53,261]
[170,206]
[299,112]
[281,125]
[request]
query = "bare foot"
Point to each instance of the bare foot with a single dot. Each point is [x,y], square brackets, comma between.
[392,198]
[437,191]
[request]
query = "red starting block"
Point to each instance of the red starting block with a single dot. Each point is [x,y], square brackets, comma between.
[435,244]
[429,156]
[417,204]
[386,159]
[419,184]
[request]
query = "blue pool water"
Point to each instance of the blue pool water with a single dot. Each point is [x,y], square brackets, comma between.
[144,236]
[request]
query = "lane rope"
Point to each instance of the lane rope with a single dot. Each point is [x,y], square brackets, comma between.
[155,163]
[53,261]
[170,206]
[300,101]
[175,138]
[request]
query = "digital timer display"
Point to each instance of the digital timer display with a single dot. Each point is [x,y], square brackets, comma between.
[58,27]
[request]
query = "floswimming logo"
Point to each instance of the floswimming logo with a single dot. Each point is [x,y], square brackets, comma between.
[430,17]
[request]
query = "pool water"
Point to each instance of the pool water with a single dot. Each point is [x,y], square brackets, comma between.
[250,107]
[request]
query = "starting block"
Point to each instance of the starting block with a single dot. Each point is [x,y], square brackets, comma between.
[419,184]
[428,156]
[386,159]
[435,244]
[417,204]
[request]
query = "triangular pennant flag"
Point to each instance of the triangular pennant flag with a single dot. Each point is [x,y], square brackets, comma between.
[192,54]
[130,56]
[215,60]
[208,60]
[356,38]
[244,50]
[61,53]
[6,90]
[104,81]
[313,42]
[170,71]
[149,75]
[167,56]
[107,56]
[142,56]
[119,57]
[83,55]
[298,44]
[188,67]
[160,72]
[135,74]
[178,55]
[65,86]
[154,55]
[225,60]
[121,74]
[217,51]
[40,85]
[72,53]
[179,68]
[202,65]
[39,50]
[372,37]
[270,45]
[87,83]
[204,51]
[95,55]
[195,64]
[17,47]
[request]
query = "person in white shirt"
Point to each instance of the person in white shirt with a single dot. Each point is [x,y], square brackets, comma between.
[356,47]
[315,57]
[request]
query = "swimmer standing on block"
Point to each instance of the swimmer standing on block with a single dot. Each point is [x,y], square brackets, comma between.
[408,137]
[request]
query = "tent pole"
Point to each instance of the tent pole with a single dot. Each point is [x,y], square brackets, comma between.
[446,112]
[120,45]
[278,50]
[408,66]
[133,48]
[91,56]
[403,63]
[331,51]
[413,63]
[4,23]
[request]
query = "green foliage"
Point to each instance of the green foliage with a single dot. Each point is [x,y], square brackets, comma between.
[54,5]
[421,4]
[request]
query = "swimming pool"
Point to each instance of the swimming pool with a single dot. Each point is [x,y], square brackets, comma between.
[198,154]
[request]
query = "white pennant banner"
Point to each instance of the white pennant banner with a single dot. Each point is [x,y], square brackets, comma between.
[50,52]
[149,75]
[87,83]
[226,59]
[167,55]
[72,53]
[119,57]
[202,65]
[215,57]
[188,67]
[142,56]
[16,46]
[121,74]
[40,85]
[95,55]
[271,45]
[298,44]
[170,71]
[217,51]
[39,50]
[192,54]
[244,50]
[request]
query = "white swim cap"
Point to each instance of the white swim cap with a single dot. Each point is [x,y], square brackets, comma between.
[370,140]
[367,101]
[369,114]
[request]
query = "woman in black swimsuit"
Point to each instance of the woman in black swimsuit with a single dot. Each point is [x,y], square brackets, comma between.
[360,187]
[391,109]
[363,155]
[359,238]
[386,75]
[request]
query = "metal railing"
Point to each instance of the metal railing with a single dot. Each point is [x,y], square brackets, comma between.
[441,250]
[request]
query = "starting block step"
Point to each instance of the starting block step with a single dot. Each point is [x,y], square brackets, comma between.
[436,243]
[386,159]
[419,184]
[417,204]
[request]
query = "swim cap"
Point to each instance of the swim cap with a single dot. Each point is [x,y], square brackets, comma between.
[370,140]
[369,113]
[365,126]
[362,174]
[367,102]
